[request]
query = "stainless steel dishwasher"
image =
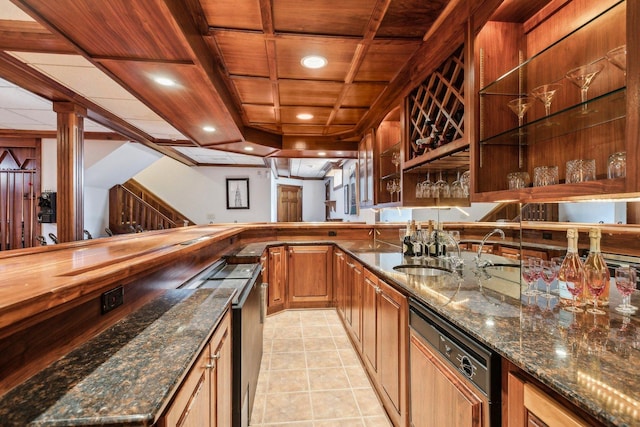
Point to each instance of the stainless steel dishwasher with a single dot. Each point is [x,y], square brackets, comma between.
[454,379]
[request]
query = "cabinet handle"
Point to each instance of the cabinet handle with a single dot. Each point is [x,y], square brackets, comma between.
[215,356]
[351,265]
[378,290]
[210,366]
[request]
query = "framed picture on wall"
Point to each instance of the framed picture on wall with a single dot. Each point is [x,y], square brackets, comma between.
[237,193]
[346,199]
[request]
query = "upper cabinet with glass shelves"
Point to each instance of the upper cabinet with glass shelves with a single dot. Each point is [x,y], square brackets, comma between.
[551,88]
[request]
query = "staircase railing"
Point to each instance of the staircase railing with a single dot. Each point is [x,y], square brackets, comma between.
[129,213]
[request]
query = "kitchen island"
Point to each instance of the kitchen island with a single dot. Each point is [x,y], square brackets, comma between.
[589,361]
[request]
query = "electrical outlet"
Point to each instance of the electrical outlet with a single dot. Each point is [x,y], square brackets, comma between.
[112,299]
[547,236]
[333,233]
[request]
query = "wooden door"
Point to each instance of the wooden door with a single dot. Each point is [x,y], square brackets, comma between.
[277,279]
[221,374]
[392,332]
[369,321]
[438,396]
[289,203]
[19,188]
[310,275]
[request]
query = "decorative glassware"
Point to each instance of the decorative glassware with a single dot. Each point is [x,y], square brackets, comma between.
[518,180]
[596,283]
[441,188]
[618,57]
[596,261]
[457,189]
[617,165]
[580,170]
[520,106]
[465,179]
[545,175]
[545,94]
[582,77]
[530,274]
[626,284]
[427,187]
[548,273]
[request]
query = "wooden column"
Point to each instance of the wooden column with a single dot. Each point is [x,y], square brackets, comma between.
[70,188]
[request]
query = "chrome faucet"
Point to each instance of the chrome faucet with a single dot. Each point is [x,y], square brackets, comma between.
[454,261]
[480,263]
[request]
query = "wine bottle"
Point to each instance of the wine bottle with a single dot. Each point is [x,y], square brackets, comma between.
[407,244]
[417,247]
[431,247]
[597,262]
[571,270]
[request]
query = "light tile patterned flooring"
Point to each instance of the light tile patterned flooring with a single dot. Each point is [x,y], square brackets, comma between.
[311,376]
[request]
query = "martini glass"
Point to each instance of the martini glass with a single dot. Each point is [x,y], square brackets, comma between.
[582,77]
[618,57]
[545,94]
[520,106]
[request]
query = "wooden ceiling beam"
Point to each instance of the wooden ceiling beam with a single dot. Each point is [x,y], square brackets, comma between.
[27,36]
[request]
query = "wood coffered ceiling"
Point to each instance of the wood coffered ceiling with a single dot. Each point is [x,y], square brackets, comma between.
[237,63]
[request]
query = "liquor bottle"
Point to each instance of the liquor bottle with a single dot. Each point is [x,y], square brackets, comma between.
[596,261]
[571,270]
[407,245]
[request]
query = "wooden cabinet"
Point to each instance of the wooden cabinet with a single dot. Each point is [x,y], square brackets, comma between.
[384,343]
[310,276]
[339,281]
[521,52]
[277,278]
[354,287]
[204,398]
[528,405]
[433,383]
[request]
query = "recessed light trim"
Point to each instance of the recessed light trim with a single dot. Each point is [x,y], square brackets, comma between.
[248,148]
[314,61]
[305,116]
[208,128]
[164,81]
[322,154]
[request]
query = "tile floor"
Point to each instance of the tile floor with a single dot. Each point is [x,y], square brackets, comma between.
[311,376]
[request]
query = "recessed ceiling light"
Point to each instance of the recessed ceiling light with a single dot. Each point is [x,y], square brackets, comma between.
[322,154]
[164,81]
[305,116]
[248,148]
[314,61]
[208,129]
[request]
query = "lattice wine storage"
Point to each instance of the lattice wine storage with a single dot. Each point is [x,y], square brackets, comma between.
[436,108]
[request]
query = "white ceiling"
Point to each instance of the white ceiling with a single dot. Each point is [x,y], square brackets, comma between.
[23,110]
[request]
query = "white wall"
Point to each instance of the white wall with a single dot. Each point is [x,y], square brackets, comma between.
[607,213]
[200,192]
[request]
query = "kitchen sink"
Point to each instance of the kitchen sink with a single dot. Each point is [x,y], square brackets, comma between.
[421,270]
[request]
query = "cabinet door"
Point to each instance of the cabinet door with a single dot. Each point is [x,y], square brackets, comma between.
[221,374]
[357,283]
[277,279]
[190,407]
[310,275]
[392,331]
[338,280]
[438,397]
[369,322]
[365,170]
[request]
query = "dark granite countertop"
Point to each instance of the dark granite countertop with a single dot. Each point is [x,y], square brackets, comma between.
[127,374]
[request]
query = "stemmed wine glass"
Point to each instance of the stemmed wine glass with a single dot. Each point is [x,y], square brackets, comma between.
[545,94]
[395,159]
[530,276]
[618,57]
[626,284]
[596,281]
[574,280]
[457,190]
[520,106]
[548,274]
[391,188]
[582,77]
[427,187]
[441,188]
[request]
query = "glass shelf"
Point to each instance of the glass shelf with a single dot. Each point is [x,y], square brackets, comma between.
[510,82]
[597,111]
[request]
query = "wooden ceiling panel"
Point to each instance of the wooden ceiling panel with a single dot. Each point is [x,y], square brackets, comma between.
[244,54]
[410,18]
[320,115]
[362,94]
[291,50]
[291,129]
[314,93]
[239,14]
[260,113]
[241,147]
[338,130]
[349,116]
[385,59]
[254,91]
[334,17]
[193,99]
[118,28]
